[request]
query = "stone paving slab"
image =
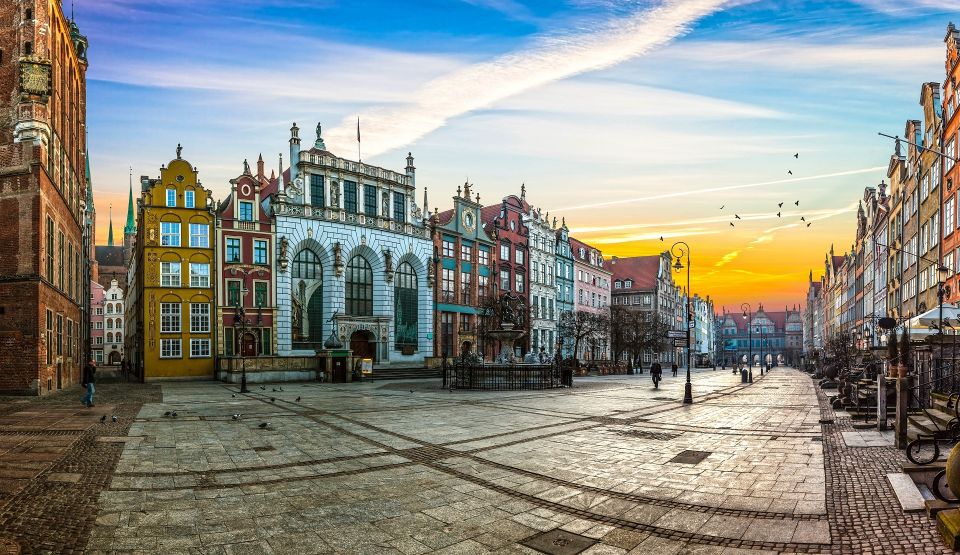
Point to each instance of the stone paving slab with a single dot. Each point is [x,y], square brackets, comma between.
[374,468]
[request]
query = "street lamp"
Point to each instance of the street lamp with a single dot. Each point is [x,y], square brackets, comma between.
[679,250]
[748,316]
[240,318]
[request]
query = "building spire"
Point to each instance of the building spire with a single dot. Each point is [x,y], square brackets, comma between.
[130,227]
[426,208]
[110,230]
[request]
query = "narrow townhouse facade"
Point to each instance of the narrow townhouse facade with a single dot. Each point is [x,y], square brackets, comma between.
[592,281]
[170,332]
[543,283]
[464,254]
[505,222]
[245,264]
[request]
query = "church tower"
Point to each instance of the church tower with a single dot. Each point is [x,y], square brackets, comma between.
[130,228]
[110,229]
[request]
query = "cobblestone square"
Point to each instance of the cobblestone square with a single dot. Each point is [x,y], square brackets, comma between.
[408,467]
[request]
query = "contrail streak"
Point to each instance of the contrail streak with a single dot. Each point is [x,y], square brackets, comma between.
[550,59]
[719,189]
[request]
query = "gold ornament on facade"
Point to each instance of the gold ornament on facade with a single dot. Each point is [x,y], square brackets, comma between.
[35,78]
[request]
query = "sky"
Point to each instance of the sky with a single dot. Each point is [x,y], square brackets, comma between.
[633,120]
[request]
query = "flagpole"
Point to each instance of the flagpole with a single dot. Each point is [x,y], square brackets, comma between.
[359,159]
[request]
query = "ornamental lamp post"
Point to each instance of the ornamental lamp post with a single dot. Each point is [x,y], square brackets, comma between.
[748,316]
[240,318]
[679,250]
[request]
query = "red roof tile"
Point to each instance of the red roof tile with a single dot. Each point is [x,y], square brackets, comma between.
[575,245]
[642,270]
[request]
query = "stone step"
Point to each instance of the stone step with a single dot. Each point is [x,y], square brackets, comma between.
[923,424]
[909,496]
[935,506]
[948,524]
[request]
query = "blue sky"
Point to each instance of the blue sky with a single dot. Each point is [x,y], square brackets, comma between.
[660,111]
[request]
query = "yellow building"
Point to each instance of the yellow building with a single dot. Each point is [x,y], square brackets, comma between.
[170,328]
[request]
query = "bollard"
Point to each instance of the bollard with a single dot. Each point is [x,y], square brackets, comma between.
[903,397]
[743,375]
[881,402]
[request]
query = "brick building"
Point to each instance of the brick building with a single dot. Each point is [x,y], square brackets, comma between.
[245,266]
[43,273]
[505,222]
[592,282]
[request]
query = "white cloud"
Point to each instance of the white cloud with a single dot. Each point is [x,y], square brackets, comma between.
[550,58]
[704,190]
[726,259]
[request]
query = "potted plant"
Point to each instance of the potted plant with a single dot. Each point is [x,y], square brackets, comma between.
[893,354]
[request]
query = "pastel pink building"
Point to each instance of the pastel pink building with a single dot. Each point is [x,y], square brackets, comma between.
[97,296]
[591,282]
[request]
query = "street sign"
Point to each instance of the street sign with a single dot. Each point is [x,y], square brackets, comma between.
[679,342]
[676,334]
[690,324]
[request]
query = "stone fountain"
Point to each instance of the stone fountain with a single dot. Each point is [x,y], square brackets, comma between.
[508,334]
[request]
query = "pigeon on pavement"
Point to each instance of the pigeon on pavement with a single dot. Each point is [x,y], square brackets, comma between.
[236,417]
[166,413]
[103,418]
[114,418]
[173,414]
[263,424]
[298,399]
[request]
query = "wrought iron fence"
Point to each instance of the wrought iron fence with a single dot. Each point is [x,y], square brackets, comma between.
[468,374]
[934,375]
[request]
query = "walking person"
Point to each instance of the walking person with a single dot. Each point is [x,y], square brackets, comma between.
[656,372]
[674,368]
[88,380]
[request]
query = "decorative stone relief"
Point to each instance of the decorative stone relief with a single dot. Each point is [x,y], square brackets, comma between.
[388,263]
[337,259]
[430,273]
[282,259]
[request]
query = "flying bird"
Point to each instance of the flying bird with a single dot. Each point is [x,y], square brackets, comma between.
[263,425]
[737,216]
[802,219]
[778,214]
[797,155]
[797,203]
[808,224]
[790,172]
[779,205]
[731,224]
[661,237]
[721,208]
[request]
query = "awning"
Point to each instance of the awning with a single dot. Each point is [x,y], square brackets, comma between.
[920,325]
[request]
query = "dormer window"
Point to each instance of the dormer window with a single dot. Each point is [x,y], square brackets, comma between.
[628,284]
[617,284]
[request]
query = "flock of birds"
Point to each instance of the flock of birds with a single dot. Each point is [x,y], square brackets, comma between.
[779,206]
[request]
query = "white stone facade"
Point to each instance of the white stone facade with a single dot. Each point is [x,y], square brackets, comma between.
[114,324]
[388,241]
[543,284]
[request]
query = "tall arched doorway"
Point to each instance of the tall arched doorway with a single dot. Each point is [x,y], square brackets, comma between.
[114,358]
[363,345]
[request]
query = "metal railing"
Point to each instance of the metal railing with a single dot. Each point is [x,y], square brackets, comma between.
[463,374]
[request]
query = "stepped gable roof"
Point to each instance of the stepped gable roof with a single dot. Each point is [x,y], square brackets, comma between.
[642,270]
[109,256]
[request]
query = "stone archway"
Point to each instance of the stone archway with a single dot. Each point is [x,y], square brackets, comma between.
[364,345]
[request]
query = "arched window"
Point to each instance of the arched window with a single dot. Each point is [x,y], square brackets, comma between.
[109,337]
[405,307]
[307,322]
[359,294]
[109,308]
[306,265]
[109,323]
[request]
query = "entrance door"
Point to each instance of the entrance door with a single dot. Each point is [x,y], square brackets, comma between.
[363,345]
[59,375]
[248,345]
